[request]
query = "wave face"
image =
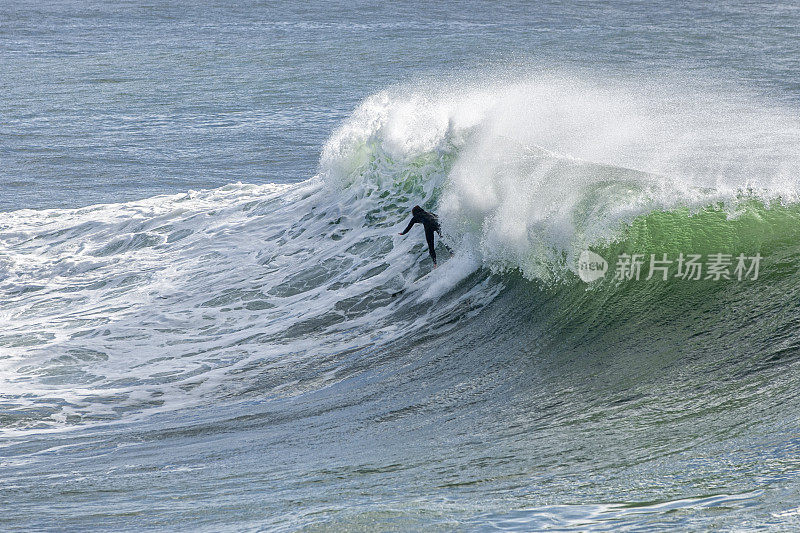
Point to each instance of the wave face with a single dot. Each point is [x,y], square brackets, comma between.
[497,390]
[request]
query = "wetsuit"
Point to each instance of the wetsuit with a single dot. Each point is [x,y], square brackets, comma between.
[431,224]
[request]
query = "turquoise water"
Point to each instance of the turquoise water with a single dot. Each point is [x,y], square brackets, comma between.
[208,322]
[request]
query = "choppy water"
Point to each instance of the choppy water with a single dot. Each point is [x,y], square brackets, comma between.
[208,321]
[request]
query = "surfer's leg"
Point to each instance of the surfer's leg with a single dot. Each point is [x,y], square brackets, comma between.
[429,238]
[439,231]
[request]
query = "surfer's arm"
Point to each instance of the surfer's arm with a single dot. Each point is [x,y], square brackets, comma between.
[411,223]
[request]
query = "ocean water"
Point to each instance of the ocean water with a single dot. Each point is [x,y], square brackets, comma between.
[209,323]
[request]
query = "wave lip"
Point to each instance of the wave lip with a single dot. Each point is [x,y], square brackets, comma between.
[529,171]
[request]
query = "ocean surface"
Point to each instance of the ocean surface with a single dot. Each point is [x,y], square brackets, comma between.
[209,323]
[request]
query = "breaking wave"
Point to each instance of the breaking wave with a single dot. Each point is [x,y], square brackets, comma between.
[115,311]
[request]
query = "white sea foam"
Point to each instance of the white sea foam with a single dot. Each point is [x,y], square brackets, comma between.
[535,168]
[113,310]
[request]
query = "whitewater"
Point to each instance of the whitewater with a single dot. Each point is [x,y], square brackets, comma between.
[291,317]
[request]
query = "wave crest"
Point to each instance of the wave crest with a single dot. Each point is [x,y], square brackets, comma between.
[526,172]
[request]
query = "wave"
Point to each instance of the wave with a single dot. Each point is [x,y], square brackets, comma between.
[528,173]
[115,311]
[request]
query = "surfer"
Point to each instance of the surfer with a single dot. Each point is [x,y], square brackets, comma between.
[431,223]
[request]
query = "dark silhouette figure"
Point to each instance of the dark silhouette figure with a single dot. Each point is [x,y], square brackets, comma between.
[431,224]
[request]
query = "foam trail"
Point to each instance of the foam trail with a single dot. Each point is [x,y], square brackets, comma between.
[451,272]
